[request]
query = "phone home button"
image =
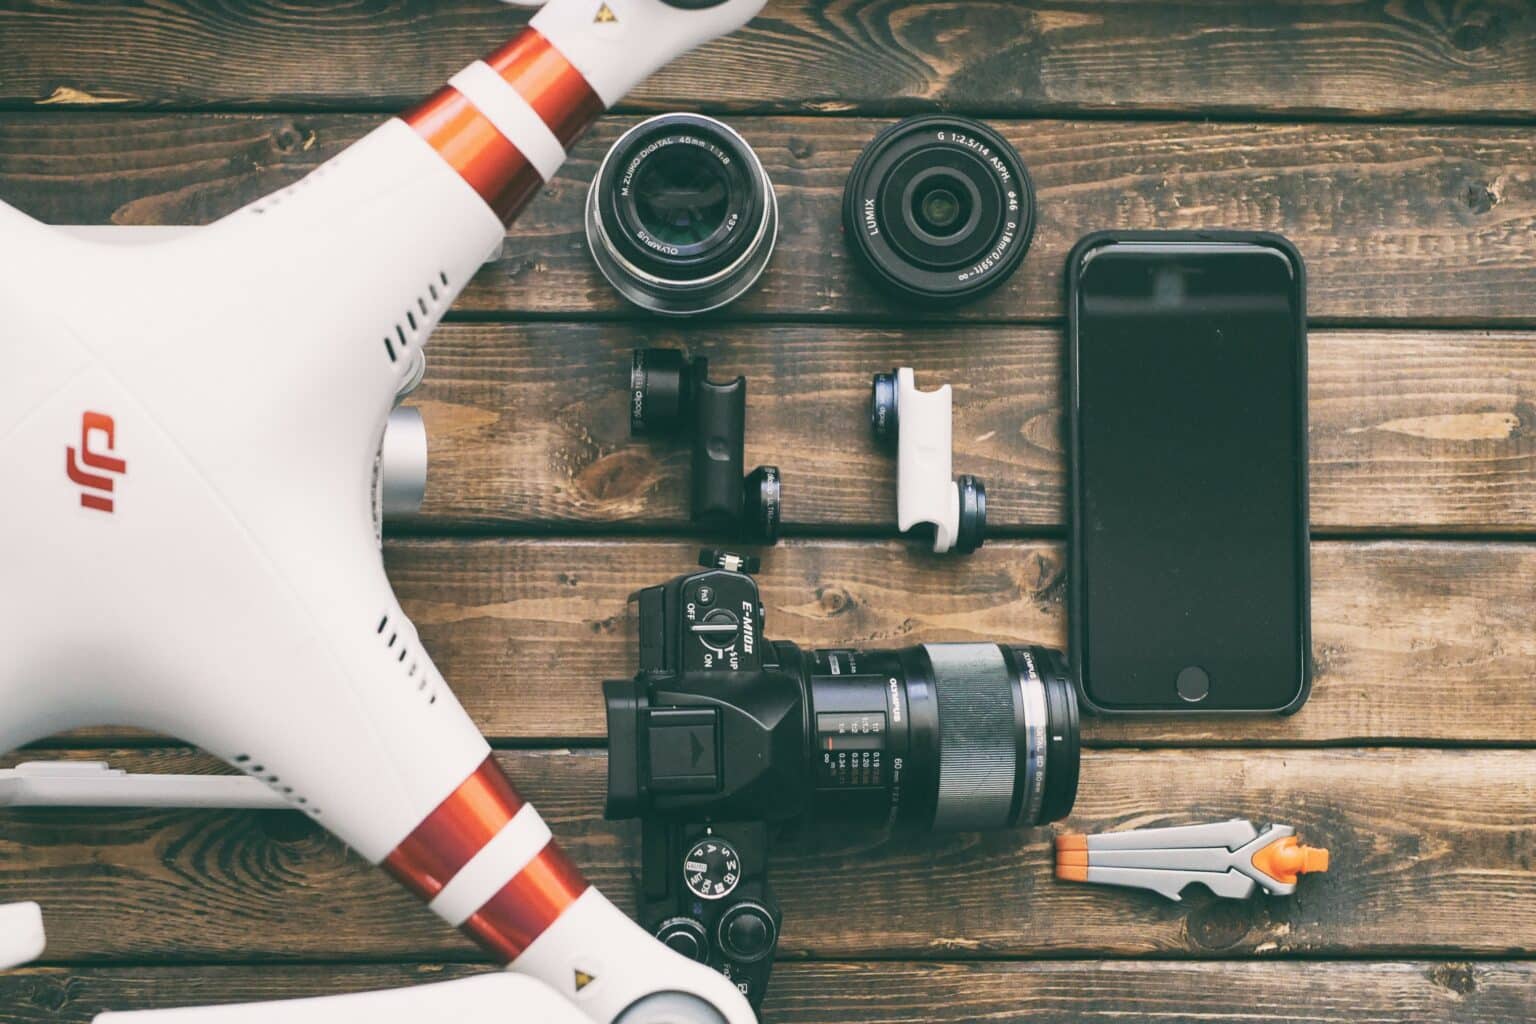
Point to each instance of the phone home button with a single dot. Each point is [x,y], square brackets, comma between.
[1193,684]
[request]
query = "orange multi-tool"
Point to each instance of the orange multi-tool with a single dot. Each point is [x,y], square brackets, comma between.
[1232,859]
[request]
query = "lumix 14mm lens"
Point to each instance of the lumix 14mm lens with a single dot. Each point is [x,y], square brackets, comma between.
[939,209]
[681,217]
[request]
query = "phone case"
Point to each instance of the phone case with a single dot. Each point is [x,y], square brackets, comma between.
[1075,598]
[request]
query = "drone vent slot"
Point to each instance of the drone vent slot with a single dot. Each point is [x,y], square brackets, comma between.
[257,770]
[284,194]
[410,329]
[413,671]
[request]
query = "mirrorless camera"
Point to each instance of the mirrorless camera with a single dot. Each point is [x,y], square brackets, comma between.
[724,734]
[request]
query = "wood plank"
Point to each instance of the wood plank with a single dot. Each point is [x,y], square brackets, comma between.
[1424,224]
[1307,57]
[1485,992]
[1411,430]
[1413,641]
[1434,853]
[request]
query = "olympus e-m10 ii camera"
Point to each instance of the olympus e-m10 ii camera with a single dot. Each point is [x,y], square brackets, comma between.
[724,734]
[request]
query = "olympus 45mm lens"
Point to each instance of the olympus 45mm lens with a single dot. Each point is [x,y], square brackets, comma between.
[681,217]
[939,209]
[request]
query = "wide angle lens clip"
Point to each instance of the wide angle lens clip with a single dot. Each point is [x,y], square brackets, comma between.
[669,394]
[918,425]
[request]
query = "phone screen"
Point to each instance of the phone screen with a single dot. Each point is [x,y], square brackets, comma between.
[1189,483]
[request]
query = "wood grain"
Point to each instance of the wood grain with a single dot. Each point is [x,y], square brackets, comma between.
[1341,58]
[1413,641]
[895,993]
[1434,852]
[1411,430]
[1420,224]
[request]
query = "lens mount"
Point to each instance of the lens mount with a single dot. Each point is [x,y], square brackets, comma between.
[681,217]
[939,209]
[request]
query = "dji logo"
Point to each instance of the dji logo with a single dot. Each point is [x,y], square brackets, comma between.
[96,487]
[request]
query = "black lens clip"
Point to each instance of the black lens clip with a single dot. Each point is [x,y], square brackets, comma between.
[672,395]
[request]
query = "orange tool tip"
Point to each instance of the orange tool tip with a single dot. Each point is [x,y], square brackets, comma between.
[1071,872]
[1286,858]
[1072,858]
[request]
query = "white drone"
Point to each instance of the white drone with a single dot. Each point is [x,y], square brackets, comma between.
[190,450]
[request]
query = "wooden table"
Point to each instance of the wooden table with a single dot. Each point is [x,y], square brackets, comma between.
[1394,142]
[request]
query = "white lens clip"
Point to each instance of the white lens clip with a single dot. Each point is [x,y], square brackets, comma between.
[920,426]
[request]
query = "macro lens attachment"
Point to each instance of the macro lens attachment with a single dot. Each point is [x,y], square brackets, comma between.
[939,209]
[672,395]
[681,217]
[724,733]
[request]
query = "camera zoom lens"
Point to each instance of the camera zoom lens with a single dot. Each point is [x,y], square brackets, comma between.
[939,209]
[681,217]
[952,737]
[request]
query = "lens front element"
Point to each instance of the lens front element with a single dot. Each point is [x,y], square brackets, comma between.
[681,196]
[940,209]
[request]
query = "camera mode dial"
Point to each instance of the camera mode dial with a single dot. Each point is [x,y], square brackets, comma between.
[712,869]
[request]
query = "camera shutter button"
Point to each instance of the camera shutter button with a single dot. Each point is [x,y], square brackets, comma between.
[747,932]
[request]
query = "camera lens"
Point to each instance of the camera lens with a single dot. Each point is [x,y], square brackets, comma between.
[681,217]
[952,737]
[939,209]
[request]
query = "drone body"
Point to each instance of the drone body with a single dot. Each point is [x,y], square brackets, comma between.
[190,440]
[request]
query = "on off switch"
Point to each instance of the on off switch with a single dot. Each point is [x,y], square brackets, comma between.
[718,628]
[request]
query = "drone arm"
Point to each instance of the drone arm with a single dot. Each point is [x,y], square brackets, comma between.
[482,999]
[21,934]
[504,124]
[485,862]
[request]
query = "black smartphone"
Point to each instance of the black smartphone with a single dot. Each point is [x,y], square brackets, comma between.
[1188,446]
